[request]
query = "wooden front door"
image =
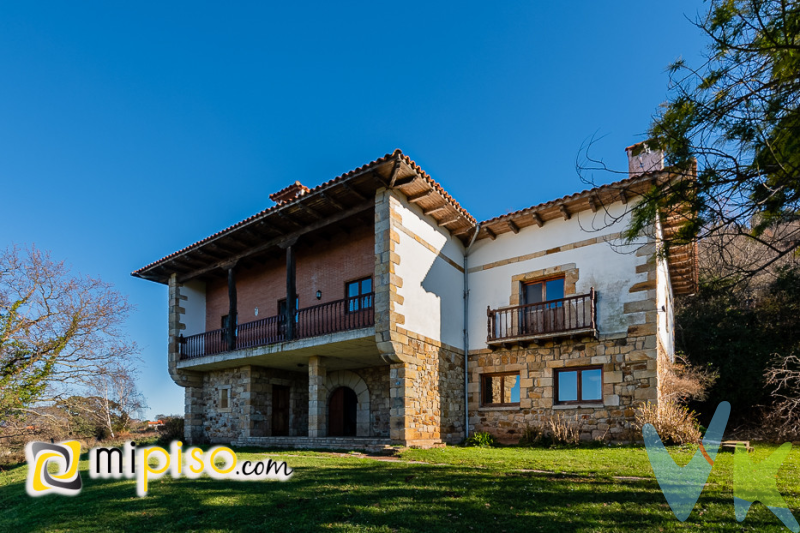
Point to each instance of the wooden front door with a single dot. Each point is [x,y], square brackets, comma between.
[342,410]
[280,410]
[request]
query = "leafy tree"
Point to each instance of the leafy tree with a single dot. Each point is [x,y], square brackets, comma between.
[737,117]
[57,330]
[737,333]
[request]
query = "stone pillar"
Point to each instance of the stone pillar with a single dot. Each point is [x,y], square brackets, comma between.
[193,415]
[317,397]
[402,428]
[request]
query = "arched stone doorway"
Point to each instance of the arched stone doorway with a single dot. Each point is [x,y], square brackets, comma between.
[342,413]
[350,384]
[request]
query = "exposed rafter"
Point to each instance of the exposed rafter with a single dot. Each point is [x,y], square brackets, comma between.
[433,210]
[564,212]
[421,196]
[447,222]
[513,227]
[333,202]
[395,172]
[490,233]
[537,219]
[353,191]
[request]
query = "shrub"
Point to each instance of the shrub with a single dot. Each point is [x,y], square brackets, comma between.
[674,423]
[170,431]
[481,439]
[562,431]
[533,436]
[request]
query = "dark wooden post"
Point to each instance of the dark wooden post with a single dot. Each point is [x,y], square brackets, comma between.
[291,292]
[232,321]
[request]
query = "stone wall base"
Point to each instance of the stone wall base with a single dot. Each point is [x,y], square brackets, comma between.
[369,444]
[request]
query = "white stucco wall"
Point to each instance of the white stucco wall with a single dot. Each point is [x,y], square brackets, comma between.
[664,304]
[610,270]
[432,291]
[195,305]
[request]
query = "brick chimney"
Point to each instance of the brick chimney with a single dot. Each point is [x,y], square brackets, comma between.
[643,159]
[288,194]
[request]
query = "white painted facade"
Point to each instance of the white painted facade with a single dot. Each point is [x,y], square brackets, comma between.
[608,266]
[194,317]
[433,288]
[664,304]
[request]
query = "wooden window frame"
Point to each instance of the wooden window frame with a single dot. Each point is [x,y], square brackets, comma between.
[484,377]
[225,392]
[543,281]
[360,294]
[579,385]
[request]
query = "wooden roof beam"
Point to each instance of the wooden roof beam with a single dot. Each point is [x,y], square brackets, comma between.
[447,222]
[421,196]
[564,212]
[592,204]
[283,240]
[353,191]
[537,219]
[492,235]
[395,172]
[513,227]
[433,210]
[622,196]
[333,202]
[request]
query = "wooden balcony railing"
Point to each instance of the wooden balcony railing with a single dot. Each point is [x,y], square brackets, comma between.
[340,315]
[566,316]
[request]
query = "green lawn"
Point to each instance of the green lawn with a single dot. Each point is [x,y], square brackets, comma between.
[453,489]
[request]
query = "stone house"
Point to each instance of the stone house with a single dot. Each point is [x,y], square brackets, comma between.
[374,309]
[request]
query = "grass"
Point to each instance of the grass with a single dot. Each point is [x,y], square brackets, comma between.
[451,489]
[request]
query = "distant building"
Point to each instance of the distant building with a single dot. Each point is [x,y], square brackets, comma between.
[341,316]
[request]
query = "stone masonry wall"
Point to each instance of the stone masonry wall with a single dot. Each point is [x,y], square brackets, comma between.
[629,378]
[630,362]
[249,412]
[426,376]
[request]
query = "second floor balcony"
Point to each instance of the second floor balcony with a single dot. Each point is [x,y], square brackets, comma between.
[323,319]
[570,316]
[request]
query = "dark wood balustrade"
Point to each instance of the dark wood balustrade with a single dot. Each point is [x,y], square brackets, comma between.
[340,315]
[570,315]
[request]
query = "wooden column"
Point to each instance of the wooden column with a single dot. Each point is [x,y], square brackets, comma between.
[291,292]
[232,321]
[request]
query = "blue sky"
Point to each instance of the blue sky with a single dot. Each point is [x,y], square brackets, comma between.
[130,131]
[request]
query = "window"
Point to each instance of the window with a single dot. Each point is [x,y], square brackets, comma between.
[500,390]
[579,385]
[224,399]
[358,294]
[543,291]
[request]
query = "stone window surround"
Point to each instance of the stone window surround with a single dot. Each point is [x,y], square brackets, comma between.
[221,388]
[569,271]
[578,370]
[499,406]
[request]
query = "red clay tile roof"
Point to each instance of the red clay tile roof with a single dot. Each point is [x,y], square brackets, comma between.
[321,186]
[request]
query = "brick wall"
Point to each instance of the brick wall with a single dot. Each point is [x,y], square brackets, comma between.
[325,267]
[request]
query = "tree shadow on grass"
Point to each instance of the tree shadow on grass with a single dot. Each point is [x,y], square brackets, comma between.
[364,495]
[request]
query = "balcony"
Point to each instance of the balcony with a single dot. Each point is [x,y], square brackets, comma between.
[332,317]
[570,316]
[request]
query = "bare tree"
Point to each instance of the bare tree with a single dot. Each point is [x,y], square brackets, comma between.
[783,378]
[118,399]
[56,330]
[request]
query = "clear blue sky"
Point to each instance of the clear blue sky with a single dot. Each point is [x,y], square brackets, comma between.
[130,131]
